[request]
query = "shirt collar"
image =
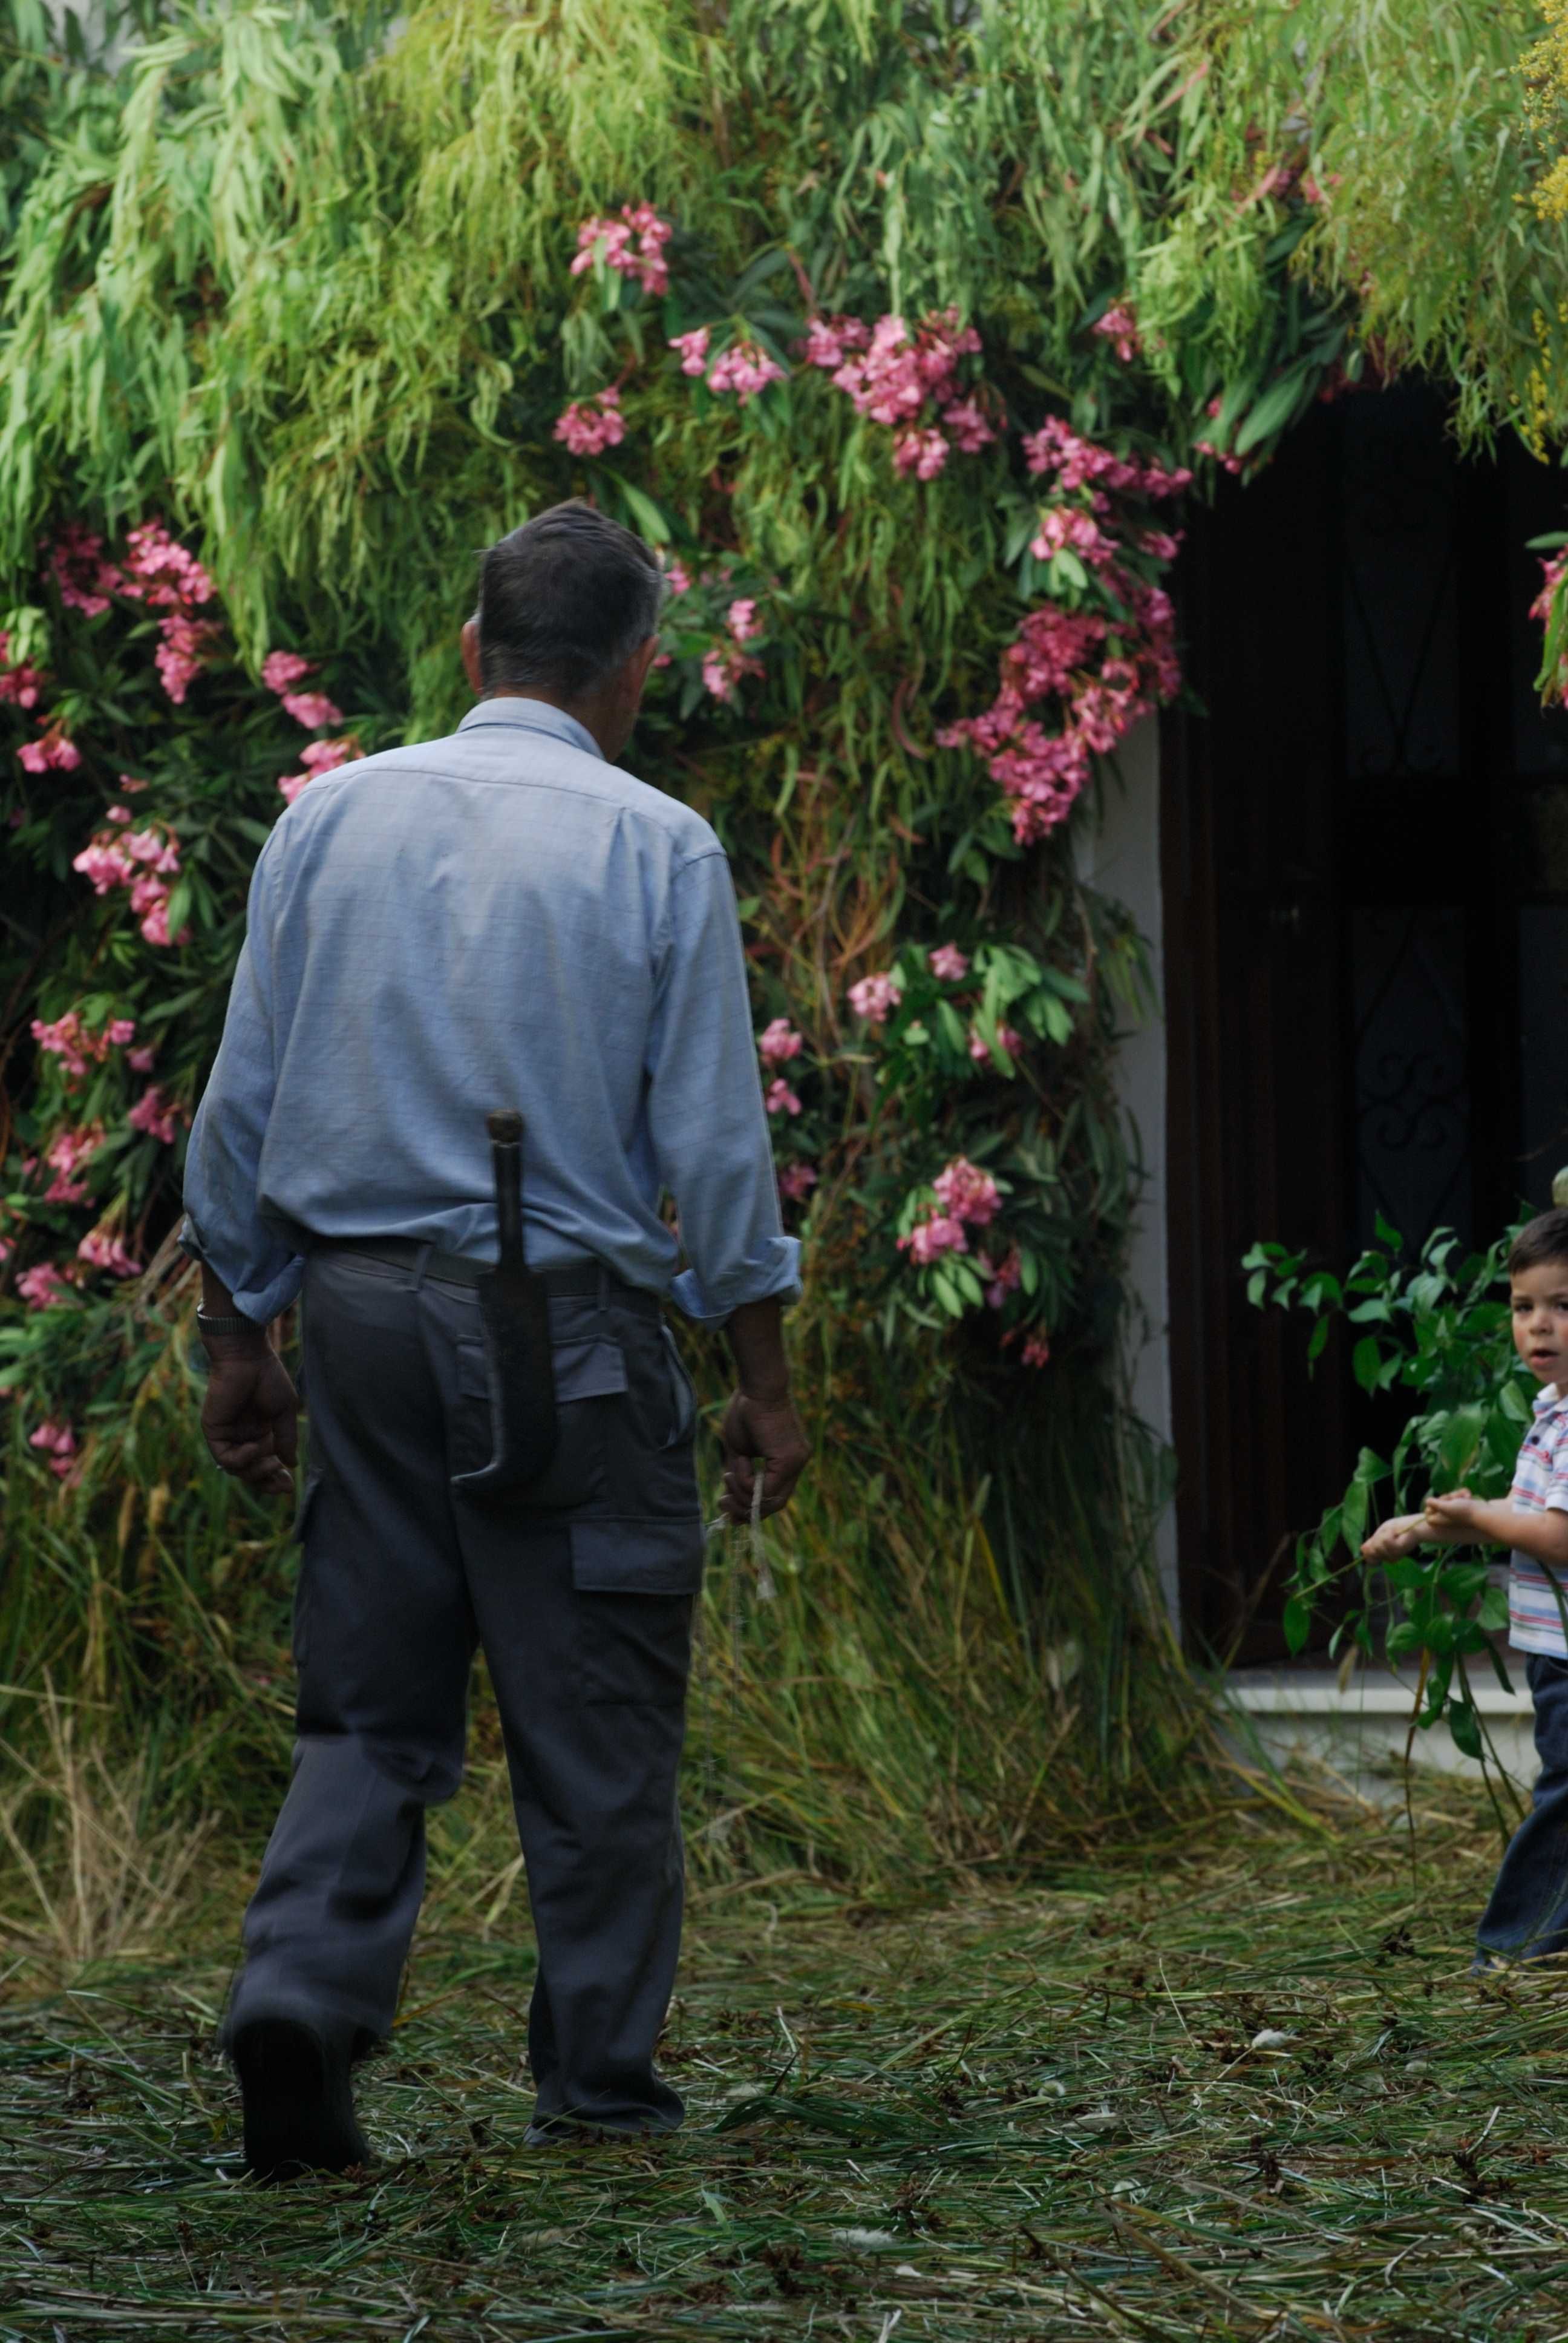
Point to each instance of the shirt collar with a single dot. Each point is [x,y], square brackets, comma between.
[532,716]
[1548,1397]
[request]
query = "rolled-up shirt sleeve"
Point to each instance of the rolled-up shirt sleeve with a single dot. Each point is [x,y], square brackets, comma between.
[223,1225]
[705,1111]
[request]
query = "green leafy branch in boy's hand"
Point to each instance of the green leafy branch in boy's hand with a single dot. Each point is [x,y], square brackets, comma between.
[1437,1327]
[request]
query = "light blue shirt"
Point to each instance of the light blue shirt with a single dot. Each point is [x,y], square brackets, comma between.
[500,919]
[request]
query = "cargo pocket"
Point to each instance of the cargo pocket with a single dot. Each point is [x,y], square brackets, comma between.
[590,1379]
[633,1650]
[622,1555]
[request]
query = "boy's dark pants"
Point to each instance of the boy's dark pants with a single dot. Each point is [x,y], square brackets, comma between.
[1528,1915]
[583,1609]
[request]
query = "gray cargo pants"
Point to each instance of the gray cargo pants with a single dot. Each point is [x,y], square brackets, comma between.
[581,1599]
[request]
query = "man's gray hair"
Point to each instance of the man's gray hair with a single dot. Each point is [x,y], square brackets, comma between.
[564,601]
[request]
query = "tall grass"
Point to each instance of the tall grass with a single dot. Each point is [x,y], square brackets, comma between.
[958,1671]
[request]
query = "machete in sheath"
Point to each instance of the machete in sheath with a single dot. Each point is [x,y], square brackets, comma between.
[514,1320]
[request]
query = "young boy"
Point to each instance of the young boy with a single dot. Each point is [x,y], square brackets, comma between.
[1527,1918]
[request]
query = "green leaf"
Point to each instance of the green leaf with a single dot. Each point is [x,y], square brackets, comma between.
[1493,1612]
[1274,409]
[645,515]
[1297,1622]
[1465,1727]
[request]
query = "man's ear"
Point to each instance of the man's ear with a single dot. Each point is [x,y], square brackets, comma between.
[638,664]
[471,657]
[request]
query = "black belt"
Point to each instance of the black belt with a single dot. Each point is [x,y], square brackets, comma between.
[567,1277]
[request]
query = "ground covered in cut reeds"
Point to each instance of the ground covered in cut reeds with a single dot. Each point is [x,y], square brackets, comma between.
[1244,2087]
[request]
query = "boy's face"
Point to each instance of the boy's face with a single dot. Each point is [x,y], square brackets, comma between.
[1539,1299]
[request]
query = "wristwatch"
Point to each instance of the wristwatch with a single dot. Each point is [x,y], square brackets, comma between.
[224,1325]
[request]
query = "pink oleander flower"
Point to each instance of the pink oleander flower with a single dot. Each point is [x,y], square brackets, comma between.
[140,1060]
[829,340]
[875,998]
[118,813]
[742,621]
[612,241]
[19,685]
[151,902]
[1010,1042]
[106,863]
[281,670]
[58,1443]
[325,756]
[921,452]
[745,369]
[778,1041]
[84,578]
[162,573]
[126,783]
[182,652]
[929,1238]
[947,963]
[64,1040]
[779,1098]
[676,579]
[967,423]
[320,756]
[589,426]
[157,1116]
[965,1192]
[900,372]
[723,666]
[1120,327]
[68,1040]
[312,709]
[161,854]
[69,1153]
[1004,1279]
[1162,544]
[1062,527]
[100,1250]
[797,1180]
[1037,1351]
[41,1285]
[693,349]
[53,750]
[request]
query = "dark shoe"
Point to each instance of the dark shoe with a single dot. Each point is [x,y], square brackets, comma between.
[568,2131]
[298,2104]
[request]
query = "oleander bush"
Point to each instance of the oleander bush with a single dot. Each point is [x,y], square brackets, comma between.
[905,333]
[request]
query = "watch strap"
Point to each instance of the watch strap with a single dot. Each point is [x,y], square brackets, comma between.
[226,1326]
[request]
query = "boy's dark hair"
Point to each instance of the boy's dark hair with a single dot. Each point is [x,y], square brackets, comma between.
[564,601]
[1543,1239]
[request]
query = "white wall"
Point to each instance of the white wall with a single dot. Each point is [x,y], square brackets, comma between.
[1117,850]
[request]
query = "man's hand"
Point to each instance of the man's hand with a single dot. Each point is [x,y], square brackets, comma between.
[761,1420]
[769,1430]
[250,1416]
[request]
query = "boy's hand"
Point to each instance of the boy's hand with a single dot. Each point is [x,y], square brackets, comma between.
[1451,1519]
[1401,1534]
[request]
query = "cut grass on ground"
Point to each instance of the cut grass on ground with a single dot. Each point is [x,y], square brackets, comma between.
[1246,2091]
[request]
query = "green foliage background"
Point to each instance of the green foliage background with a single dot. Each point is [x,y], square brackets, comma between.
[297,279]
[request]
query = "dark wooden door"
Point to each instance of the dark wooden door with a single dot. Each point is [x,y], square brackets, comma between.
[1365,867]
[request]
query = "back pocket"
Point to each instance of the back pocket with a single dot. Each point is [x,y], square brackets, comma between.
[590,1378]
